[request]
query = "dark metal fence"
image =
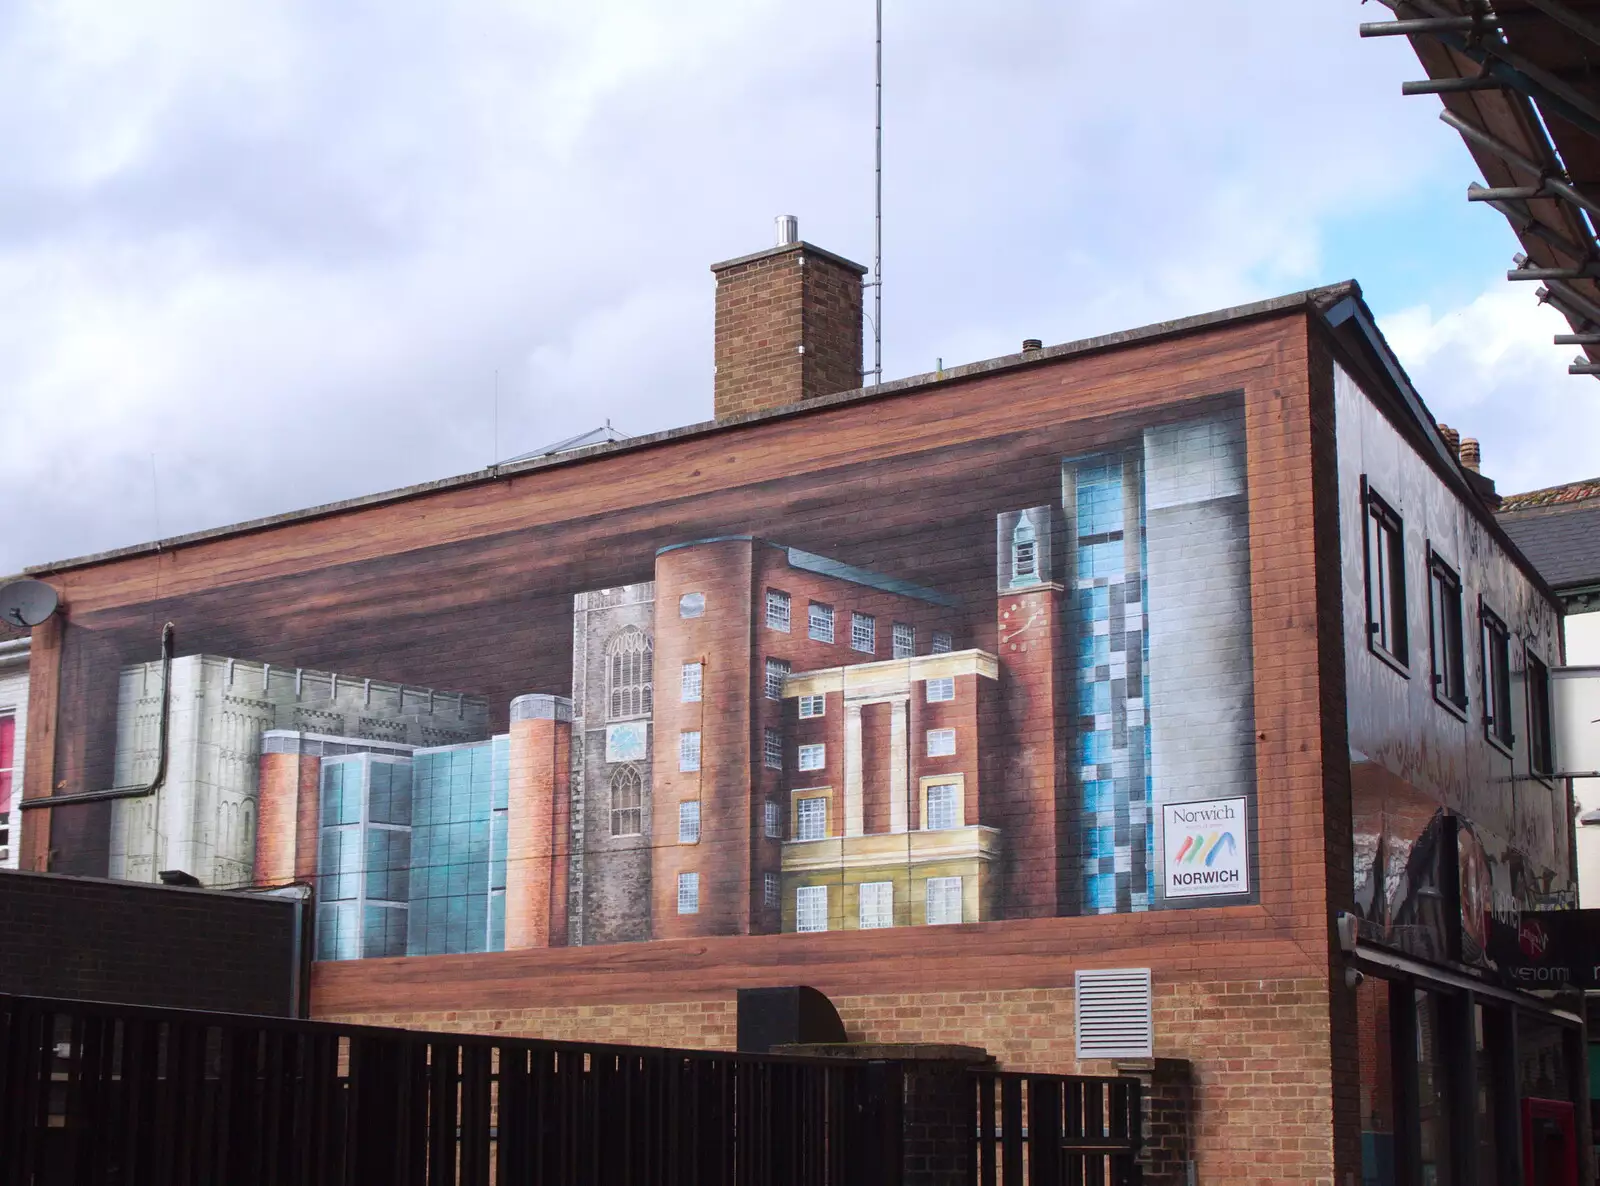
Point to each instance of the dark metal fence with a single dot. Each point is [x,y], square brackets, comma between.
[1055,1130]
[107,1095]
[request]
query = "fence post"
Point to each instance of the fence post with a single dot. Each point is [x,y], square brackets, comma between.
[882,1124]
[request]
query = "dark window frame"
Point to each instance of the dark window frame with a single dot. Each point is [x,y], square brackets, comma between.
[1378,514]
[1541,738]
[1495,640]
[1445,636]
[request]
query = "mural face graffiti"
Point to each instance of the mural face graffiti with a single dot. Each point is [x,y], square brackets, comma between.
[1038,702]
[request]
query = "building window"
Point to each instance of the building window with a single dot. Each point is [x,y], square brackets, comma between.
[769,889]
[627,802]
[689,822]
[1496,679]
[944,900]
[819,622]
[772,819]
[811,908]
[691,605]
[903,640]
[1444,625]
[944,807]
[1386,580]
[941,743]
[941,688]
[863,633]
[1024,552]
[1541,748]
[628,674]
[777,610]
[772,749]
[8,771]
[777,671]
[811,818]
[693,679]
[688,751]
[812,706]
[877,905]
[941,642]
[688,893]
[813,757]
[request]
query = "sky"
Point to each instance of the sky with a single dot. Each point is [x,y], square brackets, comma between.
[257,257]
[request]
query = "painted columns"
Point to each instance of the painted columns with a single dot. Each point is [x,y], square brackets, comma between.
[538,821]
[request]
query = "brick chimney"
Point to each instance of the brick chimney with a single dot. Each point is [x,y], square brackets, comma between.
[788,325]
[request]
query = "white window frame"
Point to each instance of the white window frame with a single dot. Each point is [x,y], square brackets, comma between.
[689,821]
[937,901]
[875,908]
[813,756]
[688,893]
[781,669]
[819,622]
[943,643]
[770,889]
[692,686]
[804,818]
[941,743]
[941,689]
[903,640]
[772,819]
[778,610]
[949,811]
[689,751]
[811,908]
[863,633]
[772,749]
[813,706]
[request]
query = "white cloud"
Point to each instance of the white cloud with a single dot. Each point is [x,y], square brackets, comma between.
[286,247]
[1488,369]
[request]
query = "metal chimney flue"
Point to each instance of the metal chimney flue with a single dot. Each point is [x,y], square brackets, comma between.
[788,229]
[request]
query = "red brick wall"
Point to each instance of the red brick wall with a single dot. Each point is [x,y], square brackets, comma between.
[788,328]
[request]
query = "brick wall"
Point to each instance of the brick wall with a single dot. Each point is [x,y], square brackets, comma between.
[1261,1078]
[146,944]
[788,328]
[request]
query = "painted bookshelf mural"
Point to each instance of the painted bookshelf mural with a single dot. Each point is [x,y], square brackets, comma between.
[760,737]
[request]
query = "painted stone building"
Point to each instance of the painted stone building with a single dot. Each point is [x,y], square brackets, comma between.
[1192,650]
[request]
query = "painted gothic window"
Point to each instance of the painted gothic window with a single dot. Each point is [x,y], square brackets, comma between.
[627,802]
[628,657]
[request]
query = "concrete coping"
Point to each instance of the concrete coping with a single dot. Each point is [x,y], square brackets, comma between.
[891,1051]
[540,706]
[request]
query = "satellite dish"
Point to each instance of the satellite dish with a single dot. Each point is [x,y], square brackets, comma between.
[27,603]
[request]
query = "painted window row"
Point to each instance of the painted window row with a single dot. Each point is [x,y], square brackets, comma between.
[1388,636]
[942,902]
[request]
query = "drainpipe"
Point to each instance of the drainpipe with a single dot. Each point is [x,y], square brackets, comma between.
[128,792]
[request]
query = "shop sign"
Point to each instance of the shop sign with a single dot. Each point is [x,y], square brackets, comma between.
[1548,948]
[1206,848]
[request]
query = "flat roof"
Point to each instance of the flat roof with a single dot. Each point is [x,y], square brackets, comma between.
[1315,299]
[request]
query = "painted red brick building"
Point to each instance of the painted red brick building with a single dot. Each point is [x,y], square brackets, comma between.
[1192,649]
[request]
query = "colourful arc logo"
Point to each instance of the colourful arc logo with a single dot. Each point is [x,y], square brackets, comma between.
[1205,847]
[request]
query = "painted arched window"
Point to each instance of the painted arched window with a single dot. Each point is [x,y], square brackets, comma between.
[1024,551]
[628,674]
[627,802]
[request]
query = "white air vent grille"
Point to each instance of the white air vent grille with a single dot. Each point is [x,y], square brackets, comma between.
[1113,1014]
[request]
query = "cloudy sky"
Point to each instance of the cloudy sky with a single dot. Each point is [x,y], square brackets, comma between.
[260,255]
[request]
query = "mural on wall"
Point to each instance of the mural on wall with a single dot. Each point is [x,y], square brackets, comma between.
[1453,828]
[765,738]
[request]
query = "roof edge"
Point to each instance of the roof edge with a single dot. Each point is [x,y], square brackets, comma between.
[1311,299]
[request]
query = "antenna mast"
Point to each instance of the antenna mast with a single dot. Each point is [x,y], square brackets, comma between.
[877,229]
